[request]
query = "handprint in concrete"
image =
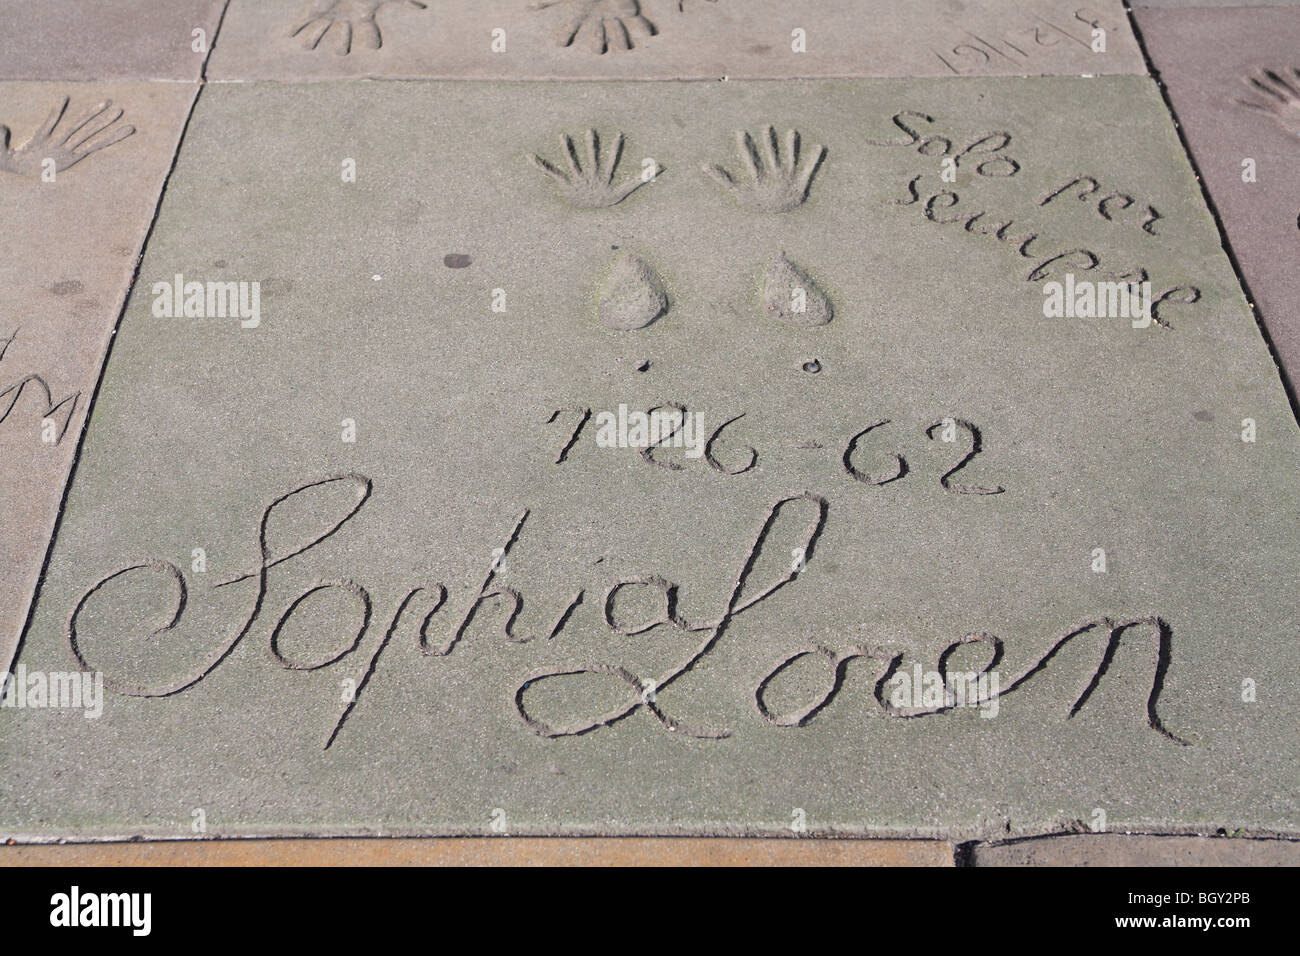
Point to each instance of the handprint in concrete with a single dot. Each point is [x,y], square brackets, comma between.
[601,25]
[589,182]
[57,145]
[352,23]
[1277,93]
[777,182]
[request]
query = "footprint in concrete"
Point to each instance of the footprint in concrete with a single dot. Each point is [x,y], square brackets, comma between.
[633,296]
[790,296]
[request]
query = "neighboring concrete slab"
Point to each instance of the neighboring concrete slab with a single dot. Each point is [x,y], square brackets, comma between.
[106,39]
[1213,3]
[668,39]
[1240,111]
[74,211]
[491,851]
[266,505]
[1103,849]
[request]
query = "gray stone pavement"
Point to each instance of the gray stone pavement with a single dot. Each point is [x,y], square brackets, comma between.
[359,541]
[1240,113]
[669,39]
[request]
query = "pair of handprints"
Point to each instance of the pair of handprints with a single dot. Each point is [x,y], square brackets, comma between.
[598,25]
[774,179]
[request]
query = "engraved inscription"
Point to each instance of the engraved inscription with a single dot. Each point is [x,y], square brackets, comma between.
[1108,204]
[889,664]
[890,466]
[987,152]
[791,525]
[57,414]
[1021,47]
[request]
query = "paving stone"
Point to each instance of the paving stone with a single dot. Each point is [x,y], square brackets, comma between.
[1240,112]
[668,39]
[74,227]
[1105,849]
[491,851]
[270,504]
[107,39]
[1137,4]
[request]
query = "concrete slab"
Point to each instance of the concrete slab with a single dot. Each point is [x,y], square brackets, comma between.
[81,170]
[106,40]
[299,534]
[1240,112]
[1138,4]
[668,39]
[491,851]
[1104,849]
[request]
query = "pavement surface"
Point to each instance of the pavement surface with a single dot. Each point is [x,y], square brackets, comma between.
[598,421]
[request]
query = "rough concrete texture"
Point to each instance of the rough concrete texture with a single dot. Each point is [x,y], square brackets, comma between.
[1123,850]
[1239,108]
[258,536]
[491,851]
[1137,4]
[106,39]
[81,169]
[668,39]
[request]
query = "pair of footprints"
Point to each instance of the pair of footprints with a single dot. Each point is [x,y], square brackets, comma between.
[776,176]
[634,295]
